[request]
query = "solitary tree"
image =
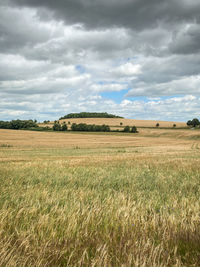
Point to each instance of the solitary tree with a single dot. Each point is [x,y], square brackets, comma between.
[157,124]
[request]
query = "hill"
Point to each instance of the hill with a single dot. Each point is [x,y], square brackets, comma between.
[121,122]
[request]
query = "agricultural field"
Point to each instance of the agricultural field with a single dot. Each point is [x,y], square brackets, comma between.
[100,199]
[118,123]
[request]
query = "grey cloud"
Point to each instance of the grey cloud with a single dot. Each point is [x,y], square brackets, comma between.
[181,86]
[151,48]
[187,40]
[20,29]
[132,14]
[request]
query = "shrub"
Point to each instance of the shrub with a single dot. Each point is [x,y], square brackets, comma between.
[64,127]
[195,122]
[127,129]
[157,124]
[57,126]
[134,129]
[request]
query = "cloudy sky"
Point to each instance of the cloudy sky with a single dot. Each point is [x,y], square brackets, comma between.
[135,58]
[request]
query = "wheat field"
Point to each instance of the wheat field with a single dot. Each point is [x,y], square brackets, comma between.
[106,199]
[119,123]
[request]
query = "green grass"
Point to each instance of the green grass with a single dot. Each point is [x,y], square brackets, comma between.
[136,211]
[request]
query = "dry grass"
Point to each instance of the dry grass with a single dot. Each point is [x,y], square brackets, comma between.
[130,122]
[116,122]
[100,199]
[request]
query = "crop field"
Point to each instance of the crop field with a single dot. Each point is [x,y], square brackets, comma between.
[100,199]
[120,123]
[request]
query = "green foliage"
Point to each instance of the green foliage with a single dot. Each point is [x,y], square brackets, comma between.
[90,127]
[18,124]
[195,122]
[134,129]
[189,123]
[64,127]
[57,126]
[89,115]
[46,121]
[127,129]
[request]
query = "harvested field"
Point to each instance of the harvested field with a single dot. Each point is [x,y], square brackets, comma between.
[116,122]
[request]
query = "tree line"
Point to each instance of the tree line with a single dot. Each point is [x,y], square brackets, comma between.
[83,127]
[90,127]
[89,115]
[18,124]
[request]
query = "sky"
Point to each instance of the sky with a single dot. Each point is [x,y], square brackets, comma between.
[139,59]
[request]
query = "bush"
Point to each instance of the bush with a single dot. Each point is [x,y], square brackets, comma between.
[57,126]
[157,124]
[134,129]
[64,127]
[195,122]
[127,129]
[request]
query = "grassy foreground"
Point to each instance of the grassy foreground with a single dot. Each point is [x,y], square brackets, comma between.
[99,207]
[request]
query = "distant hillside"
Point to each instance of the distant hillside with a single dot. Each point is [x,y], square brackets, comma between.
[119,123]
[89,115]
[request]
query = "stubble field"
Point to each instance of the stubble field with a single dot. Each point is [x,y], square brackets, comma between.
[118,123]
[115,199]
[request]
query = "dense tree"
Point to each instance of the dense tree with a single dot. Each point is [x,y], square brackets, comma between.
[127,129]
[195,122]
[18,124]
[64,127]
[134,129]
[89,115]
[90,127]
[189,123]
[57,126]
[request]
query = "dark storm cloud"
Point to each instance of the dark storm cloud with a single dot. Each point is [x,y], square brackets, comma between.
[136,14]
